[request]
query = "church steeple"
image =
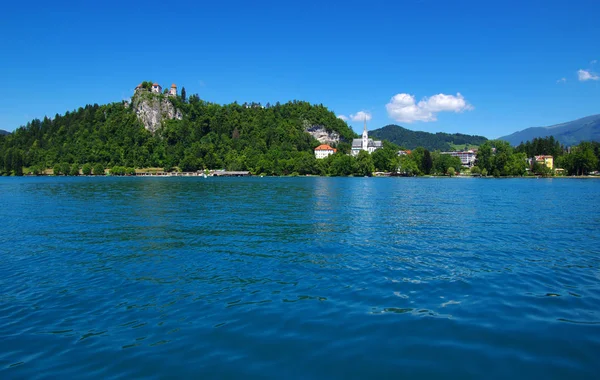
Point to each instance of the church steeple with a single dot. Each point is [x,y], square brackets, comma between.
[365,137]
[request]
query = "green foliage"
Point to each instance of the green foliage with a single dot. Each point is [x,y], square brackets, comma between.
[407,165]
[443,162]
[56,169]
[541,146]
[86,169]
[12,161]
[386,159]
[33,170]
[74,169]
[451,171]
[430,141]
[364,164]
[65,168]
[427,162]
[583,159]
[98,169]
[475,170]
[147,85]
[498,158]
[270,140]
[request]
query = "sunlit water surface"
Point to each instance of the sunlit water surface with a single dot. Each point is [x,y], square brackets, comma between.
[299,278]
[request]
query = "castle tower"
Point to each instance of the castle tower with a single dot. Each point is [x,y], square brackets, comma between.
[173,90]
[365,137]
[156,88]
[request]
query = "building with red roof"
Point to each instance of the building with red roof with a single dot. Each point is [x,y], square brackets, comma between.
[323,151]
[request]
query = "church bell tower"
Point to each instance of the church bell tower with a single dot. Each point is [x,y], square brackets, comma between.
[365,137]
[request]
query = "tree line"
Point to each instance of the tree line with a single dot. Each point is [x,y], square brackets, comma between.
[498,158]
[269,140]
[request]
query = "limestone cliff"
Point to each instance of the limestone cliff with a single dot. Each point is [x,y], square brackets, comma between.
[152,109]
[322,135]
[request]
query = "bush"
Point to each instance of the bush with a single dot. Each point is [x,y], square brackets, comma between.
[65,168]
[56,169]
[117,170]
[35,170]
[451,171]
[86,169]
[99,169]
[74,169]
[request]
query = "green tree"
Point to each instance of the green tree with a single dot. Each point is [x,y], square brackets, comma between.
[451,171]
[74,169]
[407,166]
[65,168]
[86,169]
[98,169]
[364,164]
[427,163]
[183,94]
[56,169]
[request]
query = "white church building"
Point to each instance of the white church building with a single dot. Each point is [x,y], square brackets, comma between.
[365,143]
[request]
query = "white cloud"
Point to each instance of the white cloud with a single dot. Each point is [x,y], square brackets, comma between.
[404,108]
[562,80]
[343,117]
[361,116]
[584,75]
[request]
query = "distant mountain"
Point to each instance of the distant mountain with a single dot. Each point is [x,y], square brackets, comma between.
[4,133]
[568,134]
[431,141]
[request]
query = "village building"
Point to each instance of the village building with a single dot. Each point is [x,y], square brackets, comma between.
[467,157]
[403,152]
[173,90]
[365,143]
[545,160]
[156,88]
[323,151]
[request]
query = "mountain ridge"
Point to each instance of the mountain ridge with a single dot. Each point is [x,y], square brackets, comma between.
[410,139]
[568,133]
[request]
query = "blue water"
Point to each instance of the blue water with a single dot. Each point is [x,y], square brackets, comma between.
[299,278]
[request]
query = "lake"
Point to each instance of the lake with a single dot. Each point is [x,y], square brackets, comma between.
[299,277]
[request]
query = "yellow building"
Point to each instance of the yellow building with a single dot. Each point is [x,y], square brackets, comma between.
[545,160]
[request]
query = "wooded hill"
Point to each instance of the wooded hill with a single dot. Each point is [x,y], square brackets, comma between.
[432,141]
[269,139]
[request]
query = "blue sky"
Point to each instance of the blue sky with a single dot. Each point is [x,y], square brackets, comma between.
[478,67]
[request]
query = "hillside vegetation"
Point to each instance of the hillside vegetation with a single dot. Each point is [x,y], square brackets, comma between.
[270,139]
[432,141]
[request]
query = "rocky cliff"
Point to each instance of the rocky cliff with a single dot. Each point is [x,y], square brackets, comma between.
[320,133]
[152,109]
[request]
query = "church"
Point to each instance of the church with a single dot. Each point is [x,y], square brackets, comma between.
[365,143]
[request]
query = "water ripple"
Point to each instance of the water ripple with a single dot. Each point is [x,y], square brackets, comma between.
[299,277]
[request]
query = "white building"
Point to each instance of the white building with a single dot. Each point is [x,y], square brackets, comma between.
[365,143]
[173,90]
[156,88]
[467,158]
[323,151]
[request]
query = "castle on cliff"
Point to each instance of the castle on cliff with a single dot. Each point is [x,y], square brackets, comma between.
[157,89]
